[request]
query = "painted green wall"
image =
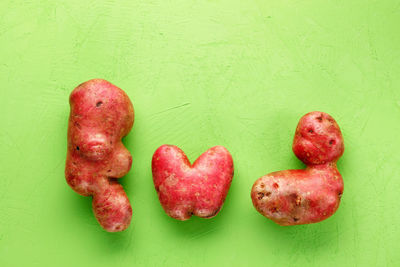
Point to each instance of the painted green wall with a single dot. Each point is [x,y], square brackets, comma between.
[201,73]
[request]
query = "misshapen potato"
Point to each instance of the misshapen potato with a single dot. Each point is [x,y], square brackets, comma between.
[199,189]
[311,195]
[101,114]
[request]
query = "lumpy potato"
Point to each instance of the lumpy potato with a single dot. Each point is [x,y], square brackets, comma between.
[101,114]
[186,189]
[311,195]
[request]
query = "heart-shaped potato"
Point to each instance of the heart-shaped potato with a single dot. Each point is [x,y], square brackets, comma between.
[199,189]
[311,195]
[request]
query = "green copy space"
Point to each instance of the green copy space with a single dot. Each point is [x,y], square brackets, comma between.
[201,73]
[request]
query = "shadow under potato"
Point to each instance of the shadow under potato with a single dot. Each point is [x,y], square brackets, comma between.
[193,227]
[81,209]
[296,239]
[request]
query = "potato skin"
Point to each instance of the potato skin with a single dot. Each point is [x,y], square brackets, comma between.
[318,139]
[199,189]
[101,114]
[311,195]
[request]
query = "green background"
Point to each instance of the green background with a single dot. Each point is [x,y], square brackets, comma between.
[201,73]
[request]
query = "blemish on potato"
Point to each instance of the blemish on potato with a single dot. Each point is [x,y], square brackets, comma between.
[298,201]
[77,125]
[273,209]
[171,180]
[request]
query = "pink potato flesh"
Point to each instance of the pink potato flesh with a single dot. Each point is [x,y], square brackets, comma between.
[311,195]
[199,189]
[101,114]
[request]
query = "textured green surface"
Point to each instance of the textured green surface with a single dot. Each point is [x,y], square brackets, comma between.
[201,73]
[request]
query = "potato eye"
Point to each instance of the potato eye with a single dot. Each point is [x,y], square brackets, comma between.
[310,130]
[332,142]
[98,104]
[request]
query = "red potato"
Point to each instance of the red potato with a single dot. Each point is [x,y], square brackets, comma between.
[199,189]
[101,114]
[311,195]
